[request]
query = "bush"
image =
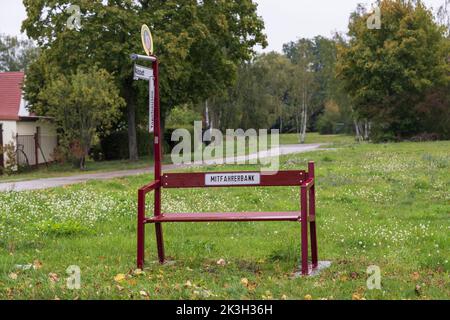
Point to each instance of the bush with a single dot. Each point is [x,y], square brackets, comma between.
[9,153]
[115,146]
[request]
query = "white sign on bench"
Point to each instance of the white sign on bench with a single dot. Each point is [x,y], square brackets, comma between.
[230,179]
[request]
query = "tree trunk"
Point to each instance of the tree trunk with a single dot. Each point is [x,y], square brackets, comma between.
[359,137]
[83,163]
[132,138]
[304,117]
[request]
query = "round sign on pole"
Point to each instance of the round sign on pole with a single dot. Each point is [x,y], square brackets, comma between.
[147,40]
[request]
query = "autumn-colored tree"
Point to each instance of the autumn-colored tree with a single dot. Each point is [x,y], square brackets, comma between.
[389,71]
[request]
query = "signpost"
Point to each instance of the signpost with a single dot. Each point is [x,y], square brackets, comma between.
[147,40]
[305,180]
[142,73]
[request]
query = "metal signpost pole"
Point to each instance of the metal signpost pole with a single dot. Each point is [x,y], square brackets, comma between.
[158,158]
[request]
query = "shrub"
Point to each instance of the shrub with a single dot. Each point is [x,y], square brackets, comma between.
[115,146]
[9,153]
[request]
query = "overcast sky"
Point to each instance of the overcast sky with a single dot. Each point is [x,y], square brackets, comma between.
[286,20]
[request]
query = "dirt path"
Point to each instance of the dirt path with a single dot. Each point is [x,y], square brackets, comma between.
[47,183]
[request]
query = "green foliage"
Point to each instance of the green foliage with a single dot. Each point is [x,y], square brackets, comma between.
[199,49]
[332,121]
[388,72]
[10,159]
[81,104]
[182,117]
[115,147]
[16,54]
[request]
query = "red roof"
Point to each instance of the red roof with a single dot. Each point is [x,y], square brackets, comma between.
[10,94]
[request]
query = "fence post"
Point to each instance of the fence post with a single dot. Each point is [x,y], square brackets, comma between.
[36,155]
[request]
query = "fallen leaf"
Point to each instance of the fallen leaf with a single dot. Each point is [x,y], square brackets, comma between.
[415,276]
[37,264]
[138,272]
[53,277]
[13,276]
[244,281]
[221,262]
[143,293]
[308,297]
[120,277]
[131,282]
[188,284]
[267,296]
[119,288]
[418,290]
[356,296]
[284,297]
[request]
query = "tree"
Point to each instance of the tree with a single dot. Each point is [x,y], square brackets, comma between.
[81,104]
[387,72]
[200,45]
[258,100]
[301,54]
[16,54]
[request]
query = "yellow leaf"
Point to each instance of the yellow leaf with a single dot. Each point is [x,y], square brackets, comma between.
[221,262]
[244,281]
[143,293]
[308,297]
[356,296]
[415,276]
[13,276]
[138,272]
[119,278]
[283,297]
[132,282]
[188,284]
[37,264]
[53,277]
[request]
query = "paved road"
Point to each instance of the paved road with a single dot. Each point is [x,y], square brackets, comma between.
[39,184]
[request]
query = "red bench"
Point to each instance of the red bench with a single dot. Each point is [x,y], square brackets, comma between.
[305,180]
[305,215]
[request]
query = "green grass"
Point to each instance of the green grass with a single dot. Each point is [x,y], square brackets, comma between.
[332,140]
[386,205]
[67,169]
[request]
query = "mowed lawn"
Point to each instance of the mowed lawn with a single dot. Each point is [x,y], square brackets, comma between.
[386,205]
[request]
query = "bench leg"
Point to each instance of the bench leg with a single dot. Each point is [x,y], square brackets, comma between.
[312,226]
[141,230]
[304,231]
[160,242]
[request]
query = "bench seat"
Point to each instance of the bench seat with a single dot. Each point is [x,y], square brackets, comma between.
[226,217]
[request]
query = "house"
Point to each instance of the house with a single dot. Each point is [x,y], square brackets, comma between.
[34,139]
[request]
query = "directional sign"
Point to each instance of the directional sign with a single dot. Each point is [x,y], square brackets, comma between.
[151,121]
[147,40]
[142,73]
[230,179]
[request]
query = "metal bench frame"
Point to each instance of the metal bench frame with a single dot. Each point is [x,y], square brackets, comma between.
[304,179]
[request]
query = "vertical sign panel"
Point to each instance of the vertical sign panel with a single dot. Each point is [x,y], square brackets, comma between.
[151,121]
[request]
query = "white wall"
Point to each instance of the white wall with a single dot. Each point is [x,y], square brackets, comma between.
[48,138]
[28,128]
[9,132]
